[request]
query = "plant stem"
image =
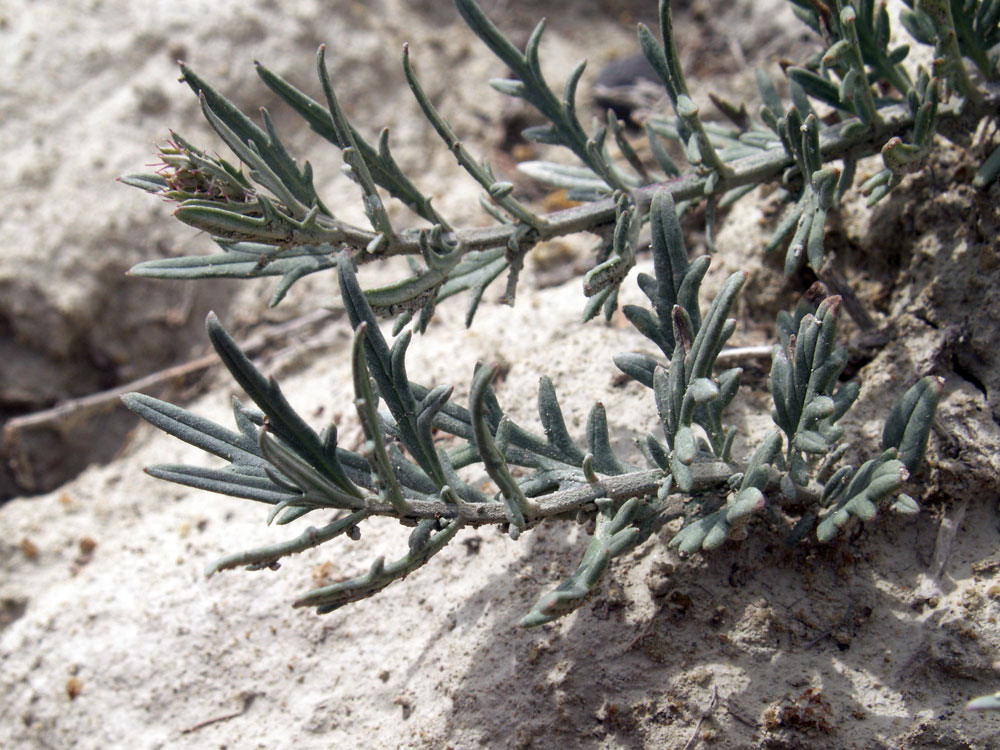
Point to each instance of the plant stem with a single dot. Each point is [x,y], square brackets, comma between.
[620,487]
[750,170]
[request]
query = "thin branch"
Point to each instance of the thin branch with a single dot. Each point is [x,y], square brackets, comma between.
[930,583]
[741,353]
[746,171]
[840,141]
[248,699]
[705,476]
[701,720]
[63,415]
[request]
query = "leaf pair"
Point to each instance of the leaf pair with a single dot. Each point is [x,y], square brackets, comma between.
[803,379]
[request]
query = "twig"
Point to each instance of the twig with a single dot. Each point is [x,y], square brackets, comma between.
[64,416]
[748,170]
[828,633]
[836,142]
[75,408]
[738,353]
[735,711]
[63,413]
[931,583]
[248,699]
[836,281]
[704,715]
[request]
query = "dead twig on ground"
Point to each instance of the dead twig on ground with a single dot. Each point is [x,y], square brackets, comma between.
[930,585]
[248,699]
[64,416]
[704,715]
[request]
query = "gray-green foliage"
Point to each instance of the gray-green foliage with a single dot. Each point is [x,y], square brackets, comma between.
[267,219]
[276,458]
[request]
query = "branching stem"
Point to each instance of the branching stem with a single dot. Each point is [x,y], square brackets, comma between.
[750,170]
[621,487]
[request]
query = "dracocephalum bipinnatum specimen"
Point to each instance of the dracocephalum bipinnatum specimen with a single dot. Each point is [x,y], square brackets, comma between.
[855,97]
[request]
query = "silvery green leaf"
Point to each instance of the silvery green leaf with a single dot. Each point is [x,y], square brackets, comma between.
[683,476]
[886,479]
[637,366]
[564,176]
[984,703]
[551,417]
[875,480]
[690,538]
[508,86]
[843,398]
[863,508]
[599,443]
[836,484]
[613,536]
[332,597]
[816,86]
[905,505]
[798,469]
[757,473]
[818,408]
[909,424]
[717,535]
[684,445]
[747,501]
[988,171]
[810,442]
[703,390]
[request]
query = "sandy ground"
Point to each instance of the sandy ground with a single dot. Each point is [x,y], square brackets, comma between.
[110,636]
